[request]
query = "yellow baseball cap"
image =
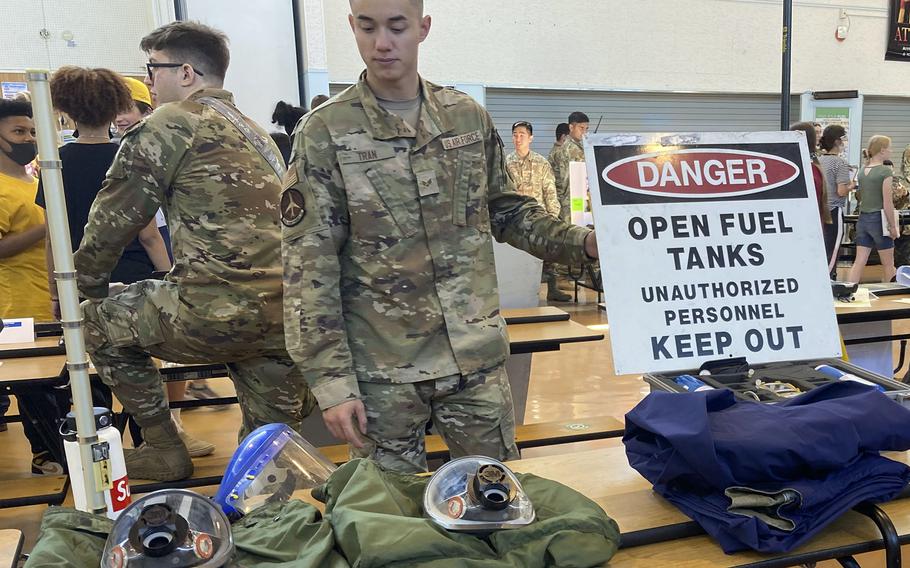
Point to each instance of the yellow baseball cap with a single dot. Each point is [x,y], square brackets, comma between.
[138,90]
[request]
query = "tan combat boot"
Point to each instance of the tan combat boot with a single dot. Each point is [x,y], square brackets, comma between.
[162,457]
[554,294]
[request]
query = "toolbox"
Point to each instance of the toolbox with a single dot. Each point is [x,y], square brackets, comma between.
[772,382]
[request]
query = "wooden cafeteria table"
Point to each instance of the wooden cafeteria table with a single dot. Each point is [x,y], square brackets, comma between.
[10,547]
[883,308]
[868,333]
[605,477]
[530,330]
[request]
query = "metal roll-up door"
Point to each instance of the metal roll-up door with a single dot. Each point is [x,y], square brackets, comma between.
[634,112]
[889,116]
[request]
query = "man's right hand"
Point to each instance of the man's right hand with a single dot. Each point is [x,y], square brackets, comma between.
[340,421]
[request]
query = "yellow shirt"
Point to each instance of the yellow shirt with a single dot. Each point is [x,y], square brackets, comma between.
[23,277]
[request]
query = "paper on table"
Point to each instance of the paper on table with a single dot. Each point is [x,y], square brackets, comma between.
[861,299]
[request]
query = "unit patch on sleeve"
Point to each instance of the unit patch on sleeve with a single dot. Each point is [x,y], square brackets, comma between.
[292,207]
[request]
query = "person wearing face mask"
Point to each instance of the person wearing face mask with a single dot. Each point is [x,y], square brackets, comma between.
[839,181]
[23,273]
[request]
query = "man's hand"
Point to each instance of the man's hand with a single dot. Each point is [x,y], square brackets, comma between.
[591,245]
[340,421]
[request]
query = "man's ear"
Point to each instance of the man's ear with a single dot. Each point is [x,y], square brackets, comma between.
[189,75]
[425,25]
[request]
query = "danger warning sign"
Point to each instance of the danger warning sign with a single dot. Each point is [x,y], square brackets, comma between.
[710,247]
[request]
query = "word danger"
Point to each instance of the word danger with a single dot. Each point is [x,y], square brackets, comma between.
[719,343]
[701,173]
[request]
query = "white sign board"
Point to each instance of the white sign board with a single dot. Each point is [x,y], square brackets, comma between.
[578,194]
[18,331]
[711,248]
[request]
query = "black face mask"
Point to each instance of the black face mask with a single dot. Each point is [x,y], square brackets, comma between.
[23,153]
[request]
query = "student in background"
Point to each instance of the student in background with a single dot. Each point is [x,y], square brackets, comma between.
[286,116]
[839,182]
[23,273]
[317,101]
[821,193]
[876,211]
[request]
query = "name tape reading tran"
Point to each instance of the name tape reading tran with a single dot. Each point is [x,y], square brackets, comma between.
[701,173]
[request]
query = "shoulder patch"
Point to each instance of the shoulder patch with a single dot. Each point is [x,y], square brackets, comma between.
[292,207]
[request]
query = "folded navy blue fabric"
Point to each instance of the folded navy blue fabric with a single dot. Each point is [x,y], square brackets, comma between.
[796,465]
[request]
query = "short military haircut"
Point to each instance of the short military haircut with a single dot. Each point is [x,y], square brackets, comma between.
[15,107]
[417,3]
[578,118]
[203,47]
[562,129]
[93,97]
[523,124]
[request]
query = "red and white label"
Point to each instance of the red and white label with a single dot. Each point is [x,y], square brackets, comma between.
[701,173]
[120,494]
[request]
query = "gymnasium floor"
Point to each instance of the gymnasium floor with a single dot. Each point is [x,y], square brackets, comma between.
[575,382]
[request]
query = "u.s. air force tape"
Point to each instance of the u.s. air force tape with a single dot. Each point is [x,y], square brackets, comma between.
[292,207]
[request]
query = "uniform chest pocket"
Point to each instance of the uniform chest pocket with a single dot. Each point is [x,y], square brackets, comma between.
[469,198]
[382,201]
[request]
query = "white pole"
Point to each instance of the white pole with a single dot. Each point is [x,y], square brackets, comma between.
[65,274]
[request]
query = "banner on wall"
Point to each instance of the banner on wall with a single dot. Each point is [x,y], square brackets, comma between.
[714,249]
[12,89]
[898,31]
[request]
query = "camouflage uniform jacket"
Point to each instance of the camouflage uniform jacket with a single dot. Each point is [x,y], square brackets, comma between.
[571,151]
[221,200]
[554,162]
[900,188]
[533,177]
[389,273]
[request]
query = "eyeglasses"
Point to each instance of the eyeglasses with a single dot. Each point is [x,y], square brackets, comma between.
[150,66]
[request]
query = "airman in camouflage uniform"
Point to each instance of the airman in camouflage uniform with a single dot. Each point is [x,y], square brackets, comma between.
[391,306]
[562,134]
[533,177]
[570,151]
[900,194]
[221,302]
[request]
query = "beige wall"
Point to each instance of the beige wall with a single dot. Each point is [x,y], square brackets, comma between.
[660,45]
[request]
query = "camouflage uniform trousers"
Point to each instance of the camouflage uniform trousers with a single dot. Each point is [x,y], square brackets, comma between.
[123,332]
[473,413]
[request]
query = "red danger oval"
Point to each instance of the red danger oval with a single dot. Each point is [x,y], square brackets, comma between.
[701,173]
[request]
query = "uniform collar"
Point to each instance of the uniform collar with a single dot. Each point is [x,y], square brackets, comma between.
[518,156]
[384,125]
[212,92]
